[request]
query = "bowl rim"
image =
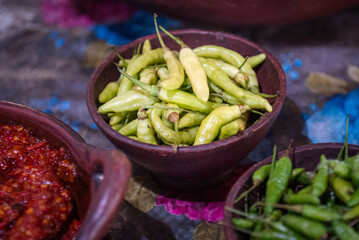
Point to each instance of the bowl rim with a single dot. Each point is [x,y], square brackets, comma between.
[237,186]
[105,127]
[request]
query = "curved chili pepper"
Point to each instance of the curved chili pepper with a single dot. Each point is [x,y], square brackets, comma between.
[174,66]
[309,228]
[351,214]
[343,189]
[130,128]
[320,181]
[306,177]
[277,183]
[109,92]
[163,73]
[340,168]
[344,232]
[191,119]
[319,213]
[256,60]
[225,96]
[117,117]
[231,71]
[146,46]
[151,57]
[144,128]
[168,135]
[292,198]
[129,101]
[245,97]
[211,125]
[181,98]
[148,76]
[295,173]
[231,57]
[193,69]
[235,126]
[354,199]
[171,116]
[117,126]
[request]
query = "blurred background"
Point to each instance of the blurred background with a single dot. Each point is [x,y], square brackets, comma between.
[49,49]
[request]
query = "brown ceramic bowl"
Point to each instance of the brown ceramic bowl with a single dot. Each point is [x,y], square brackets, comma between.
[307,156]
[192,166]
[96,202]
[238,13]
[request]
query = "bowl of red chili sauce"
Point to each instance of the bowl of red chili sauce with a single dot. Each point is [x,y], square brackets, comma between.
[47,184]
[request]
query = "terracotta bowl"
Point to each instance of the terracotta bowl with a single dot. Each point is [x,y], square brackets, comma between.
[307,156]
[192,166]
[96,202]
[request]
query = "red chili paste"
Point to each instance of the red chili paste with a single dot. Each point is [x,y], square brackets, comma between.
[34,200]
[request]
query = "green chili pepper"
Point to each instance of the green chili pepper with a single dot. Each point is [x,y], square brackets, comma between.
[129,101]
[214,98]
[168,135]
[340,168]
[306,178]
[305,190]
[351,214]
[176,72]
[117,126]
[232,72]
[291,198]
[148,76]
[355,171]
[193,69]
[211,125]
[245,97]
[235,126]
[108,92]
[343,189]
[225,96]
[320,181]
[277,183]
[344,232]
[117,117]
[171,116]
[149,58]
[130,128]
[144,128]
[163,73]
[307,227]
[191,119]
[354,199]
[231,57]
[259,176]
[243,223]
[182,99]
[319,213]
[146,46]
[256,60]
[295,173]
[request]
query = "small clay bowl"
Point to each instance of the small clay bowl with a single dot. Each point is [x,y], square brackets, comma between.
[96,202]
[193,166]
[306,156]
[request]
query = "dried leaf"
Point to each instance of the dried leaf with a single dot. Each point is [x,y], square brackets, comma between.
[353,73]
[323,83]
[208,231]
[139,196]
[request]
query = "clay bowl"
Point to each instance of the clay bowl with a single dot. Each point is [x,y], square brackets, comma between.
[307,156]
[96,202]
[192,166]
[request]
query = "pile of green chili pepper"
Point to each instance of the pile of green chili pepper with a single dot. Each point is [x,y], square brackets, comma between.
[190,97]
[301,204]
